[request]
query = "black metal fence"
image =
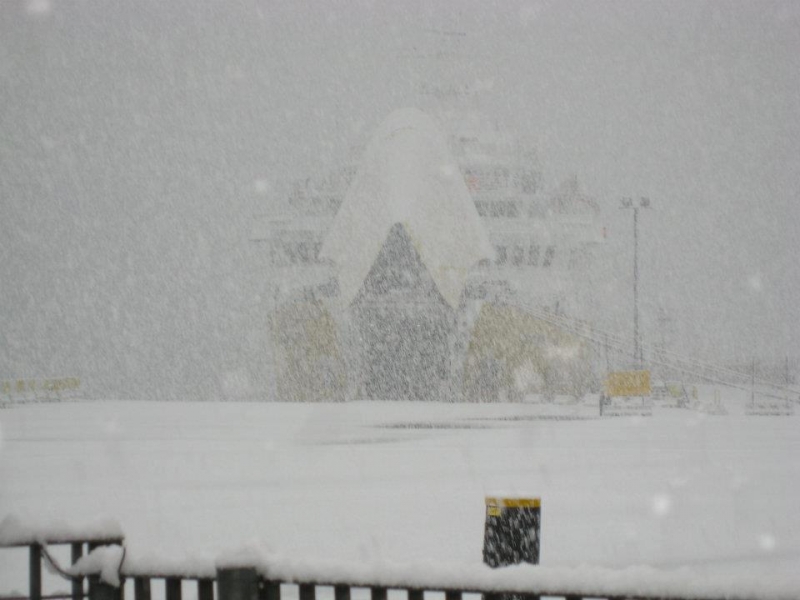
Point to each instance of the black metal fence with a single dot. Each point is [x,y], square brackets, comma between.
[253,583]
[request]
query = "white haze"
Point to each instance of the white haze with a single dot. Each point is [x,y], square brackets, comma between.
[138,142]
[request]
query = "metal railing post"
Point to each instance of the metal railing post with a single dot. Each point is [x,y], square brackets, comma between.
[342,592]
[141,588]
[205,589]
[271,590]
[76,549]
[99,590]
[307,591]
[237,584]
[173,588]
[35,571]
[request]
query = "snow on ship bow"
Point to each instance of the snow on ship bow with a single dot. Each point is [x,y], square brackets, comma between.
[408,177]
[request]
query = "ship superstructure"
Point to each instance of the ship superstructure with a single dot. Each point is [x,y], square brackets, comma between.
[399,327]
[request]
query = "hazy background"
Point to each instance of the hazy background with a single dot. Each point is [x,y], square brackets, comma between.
[139,140]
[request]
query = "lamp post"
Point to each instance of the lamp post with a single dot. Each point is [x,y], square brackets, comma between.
[628,203]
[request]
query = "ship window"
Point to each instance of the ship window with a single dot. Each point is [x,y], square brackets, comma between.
[536,210]
[502,209]
[501,177]
[291,252]
[502,256]
[518,255]
[548,256]
[578,258]
[533,255]
[527,183]
[277,255]
[302,251]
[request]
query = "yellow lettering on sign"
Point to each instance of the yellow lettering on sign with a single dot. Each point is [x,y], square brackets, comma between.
[513,502]
[628,383]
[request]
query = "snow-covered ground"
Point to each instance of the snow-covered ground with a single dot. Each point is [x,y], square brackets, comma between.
[405,482]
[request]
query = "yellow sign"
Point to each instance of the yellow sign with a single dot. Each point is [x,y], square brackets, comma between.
[39,387]
[492,502]
[628,383]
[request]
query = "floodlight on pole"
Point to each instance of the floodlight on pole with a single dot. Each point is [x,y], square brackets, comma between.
[637,342]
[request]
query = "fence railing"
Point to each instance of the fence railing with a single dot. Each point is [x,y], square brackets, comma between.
[37,545]
[276,581]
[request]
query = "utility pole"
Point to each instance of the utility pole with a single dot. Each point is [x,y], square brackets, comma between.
[663,321]
[628,203]
[787,380]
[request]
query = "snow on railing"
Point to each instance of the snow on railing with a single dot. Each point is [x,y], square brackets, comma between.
[529,581]
[37,538]
[13,532]
[251,575]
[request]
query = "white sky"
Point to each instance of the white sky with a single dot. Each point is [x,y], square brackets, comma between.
[135,141]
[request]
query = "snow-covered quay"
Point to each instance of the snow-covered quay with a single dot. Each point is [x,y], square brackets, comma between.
[679,496]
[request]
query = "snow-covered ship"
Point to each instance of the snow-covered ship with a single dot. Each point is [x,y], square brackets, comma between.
[422,272]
